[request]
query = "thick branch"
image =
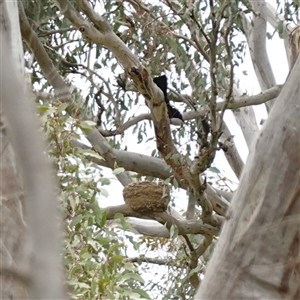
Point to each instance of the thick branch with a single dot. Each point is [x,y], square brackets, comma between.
[239,102]
[260,98]
[149,228]
[258,51]
[102,146]
[231,152]
[245,117]
[184,226]
[145,166]
[153,228]
[42,58]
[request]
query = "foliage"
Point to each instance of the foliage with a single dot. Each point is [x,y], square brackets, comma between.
[198,46]
[96,249]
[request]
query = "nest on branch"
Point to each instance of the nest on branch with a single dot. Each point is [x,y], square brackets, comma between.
[147,196]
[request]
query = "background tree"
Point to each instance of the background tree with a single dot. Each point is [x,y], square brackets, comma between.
[91,66]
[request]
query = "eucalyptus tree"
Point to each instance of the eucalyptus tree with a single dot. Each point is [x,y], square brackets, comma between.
[91,66]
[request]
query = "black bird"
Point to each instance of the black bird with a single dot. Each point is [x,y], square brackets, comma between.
[173,113]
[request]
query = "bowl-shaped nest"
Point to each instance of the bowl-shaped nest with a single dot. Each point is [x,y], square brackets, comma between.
[147,196]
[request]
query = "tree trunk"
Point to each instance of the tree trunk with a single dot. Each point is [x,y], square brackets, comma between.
[13,233]
[30,245]
[257,255]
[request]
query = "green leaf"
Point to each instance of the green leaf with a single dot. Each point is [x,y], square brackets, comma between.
[83,285]
[76,220]
[102,240]
[72,202]
[175,182]
[280,28]
[117,258]
[115,247]
[122,220]
[43,108]
[62,107]
[168,155]
[269,35]
[129,267]
[85,126]
[214,170]
[172,44]
[93,285]
[118,171]
[173,232]
[131,276]
[103,218]
[105,181]
[85,256]
[76,269]
[176,157]
[103,192]
[142,293]
[89,152]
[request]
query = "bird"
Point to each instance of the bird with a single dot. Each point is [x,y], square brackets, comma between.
[174,115]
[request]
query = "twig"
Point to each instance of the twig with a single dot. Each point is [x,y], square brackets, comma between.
[51,32]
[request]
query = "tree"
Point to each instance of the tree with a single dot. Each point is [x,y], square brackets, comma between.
[92,67]
[27,187]
[264,214]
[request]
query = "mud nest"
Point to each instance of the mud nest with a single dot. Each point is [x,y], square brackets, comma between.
[147,196]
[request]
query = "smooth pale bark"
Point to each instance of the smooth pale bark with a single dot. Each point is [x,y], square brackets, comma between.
[43,273]
[108,153]
[184,226]
[231,153]
[257,255]
[14,253]
[245,117]
[258,50]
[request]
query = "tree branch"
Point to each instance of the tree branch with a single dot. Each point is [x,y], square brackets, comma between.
[61,89]
[157,261]
[235,103]
[101,146]
[101,33]
[143,165]
[232,155]
[184,226]
[258,51]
